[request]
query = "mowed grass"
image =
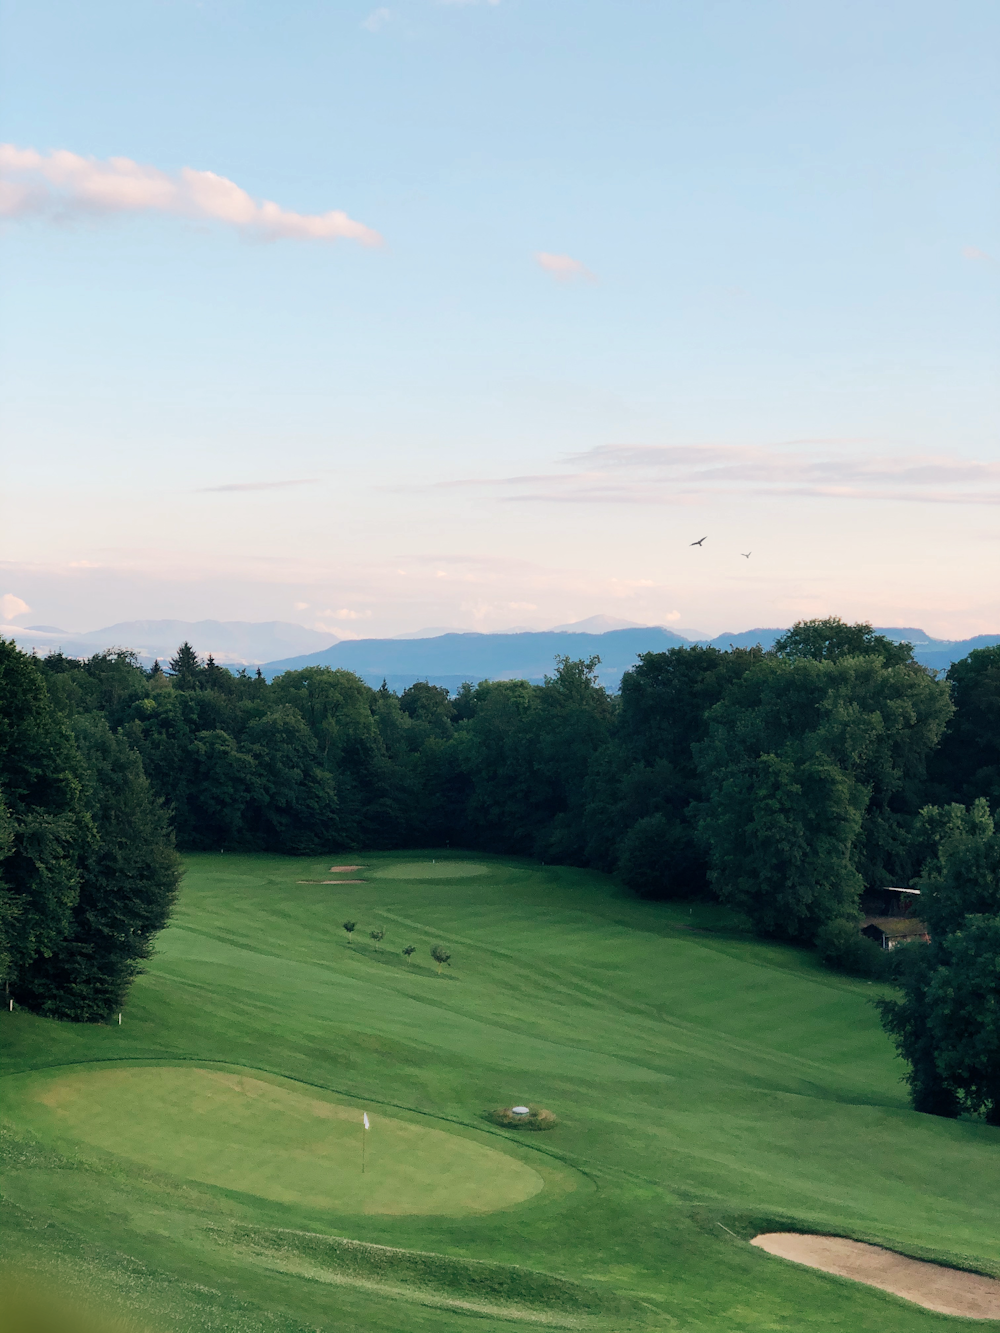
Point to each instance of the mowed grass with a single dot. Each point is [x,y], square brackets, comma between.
[277,1142]
[199,1165]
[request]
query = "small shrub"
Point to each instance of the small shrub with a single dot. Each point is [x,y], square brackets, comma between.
[841,946]
[659,858]
[537,1118]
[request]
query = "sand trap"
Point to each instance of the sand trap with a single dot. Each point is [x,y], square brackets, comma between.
[337,870]
[933,1286]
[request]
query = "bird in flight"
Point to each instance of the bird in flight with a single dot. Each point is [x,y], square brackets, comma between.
[746,554]
[700,540]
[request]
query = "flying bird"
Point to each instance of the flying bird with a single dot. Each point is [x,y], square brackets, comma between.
[746,554]
[700,540]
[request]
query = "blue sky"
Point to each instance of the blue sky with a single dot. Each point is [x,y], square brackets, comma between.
[550,290]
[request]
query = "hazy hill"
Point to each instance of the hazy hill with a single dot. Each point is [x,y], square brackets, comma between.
[449,659]
[233,642]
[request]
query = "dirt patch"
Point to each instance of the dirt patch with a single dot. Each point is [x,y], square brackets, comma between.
[948,1290]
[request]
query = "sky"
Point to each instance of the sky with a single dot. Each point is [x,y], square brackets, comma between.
[477,315]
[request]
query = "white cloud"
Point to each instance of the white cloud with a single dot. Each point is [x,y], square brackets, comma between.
[62,184]
[300,606]
[978,256]
[562,267]
[378,18]
[11,607]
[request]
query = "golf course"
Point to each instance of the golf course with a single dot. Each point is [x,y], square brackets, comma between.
[203,1164]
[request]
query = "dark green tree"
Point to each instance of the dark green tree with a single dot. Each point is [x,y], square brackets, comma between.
[441,956]
[967,763]
[831,639]
[377,936]
[350,927]
[947,1023]
[812,772]
[409,951]
[46,824]
[129,874]
[186,668]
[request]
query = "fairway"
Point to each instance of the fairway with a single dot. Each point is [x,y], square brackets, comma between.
[199,1166]
[412,870]
[240,1133]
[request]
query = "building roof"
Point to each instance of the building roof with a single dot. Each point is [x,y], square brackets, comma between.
[897,927]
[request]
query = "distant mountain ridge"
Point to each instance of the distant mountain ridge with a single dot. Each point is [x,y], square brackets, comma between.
[450,659]
[232,642]
[444,657]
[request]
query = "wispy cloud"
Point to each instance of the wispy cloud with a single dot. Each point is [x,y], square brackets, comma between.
[976,255]
[62,184]
[378,18]
[690,474]
[563,268]
[256,486]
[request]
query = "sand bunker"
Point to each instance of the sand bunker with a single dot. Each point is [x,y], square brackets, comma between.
[948,1290]
[331,881]
[338,870]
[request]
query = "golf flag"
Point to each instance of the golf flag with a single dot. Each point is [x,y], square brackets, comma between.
[367,1126]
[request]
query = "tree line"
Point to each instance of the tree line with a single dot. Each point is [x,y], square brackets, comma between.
[782,783]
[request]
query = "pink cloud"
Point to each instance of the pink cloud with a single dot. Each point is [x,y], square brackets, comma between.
[689,474]
[63,184]
[562,267]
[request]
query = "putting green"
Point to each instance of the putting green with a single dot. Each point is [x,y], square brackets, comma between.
[434,870]
[238,1132]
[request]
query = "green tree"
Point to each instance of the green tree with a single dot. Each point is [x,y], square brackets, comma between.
[186,668]
[967,763]
[812,770]
[647,770]
[409,951]
[129,875]
[350,927]
[46,824]
[377,936]
[441,956]
[831,639]
[946,1024]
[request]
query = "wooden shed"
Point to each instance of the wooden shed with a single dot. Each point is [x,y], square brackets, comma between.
[888,931]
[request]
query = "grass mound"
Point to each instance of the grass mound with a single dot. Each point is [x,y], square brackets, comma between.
[537,1118]
[474,1286]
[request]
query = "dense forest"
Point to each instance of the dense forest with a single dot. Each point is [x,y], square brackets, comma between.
[783,783]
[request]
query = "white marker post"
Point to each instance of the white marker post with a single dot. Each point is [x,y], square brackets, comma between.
[364,1134]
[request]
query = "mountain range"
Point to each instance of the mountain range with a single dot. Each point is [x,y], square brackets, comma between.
[440,655]
[451,658]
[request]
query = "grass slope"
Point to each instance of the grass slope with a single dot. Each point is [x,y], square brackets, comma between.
[706,1087]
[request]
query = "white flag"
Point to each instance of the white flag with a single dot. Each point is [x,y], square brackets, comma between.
[367,1126]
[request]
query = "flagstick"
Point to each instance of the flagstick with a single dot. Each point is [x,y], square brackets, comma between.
[363,1137]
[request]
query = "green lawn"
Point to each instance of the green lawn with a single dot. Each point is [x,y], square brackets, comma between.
[200,1164]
